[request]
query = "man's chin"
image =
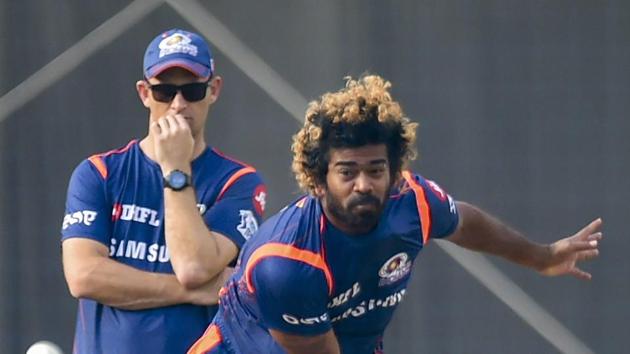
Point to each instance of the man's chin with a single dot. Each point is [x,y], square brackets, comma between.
[366,219]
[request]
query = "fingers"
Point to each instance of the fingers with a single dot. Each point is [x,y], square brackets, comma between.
[587,255]
[580,274]
[170,125]
[573,245]
[160,128]
[165,126]
[173,142]
[588,243]
[593,240]
[591,228]
[595,237]
[181,121]
[174,123]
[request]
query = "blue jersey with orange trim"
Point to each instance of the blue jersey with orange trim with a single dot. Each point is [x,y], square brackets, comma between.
[301,275]
[117,199]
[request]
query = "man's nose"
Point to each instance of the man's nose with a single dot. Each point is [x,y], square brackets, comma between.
[179,102]
[363,184]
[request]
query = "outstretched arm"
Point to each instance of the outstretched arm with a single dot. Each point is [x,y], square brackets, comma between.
[479,231]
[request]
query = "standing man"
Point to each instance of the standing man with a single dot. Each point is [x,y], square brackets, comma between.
[150,228]
[326,273]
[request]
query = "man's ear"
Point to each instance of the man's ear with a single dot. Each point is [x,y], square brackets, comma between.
[143,92]
[215,88]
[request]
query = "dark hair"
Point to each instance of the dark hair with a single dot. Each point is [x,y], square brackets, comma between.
[362,113]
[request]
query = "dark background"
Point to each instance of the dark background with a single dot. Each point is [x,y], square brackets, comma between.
[521,106]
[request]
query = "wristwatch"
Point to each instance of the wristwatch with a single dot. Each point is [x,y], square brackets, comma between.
[177,180]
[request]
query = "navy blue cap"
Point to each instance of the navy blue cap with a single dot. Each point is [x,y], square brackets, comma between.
[178,48]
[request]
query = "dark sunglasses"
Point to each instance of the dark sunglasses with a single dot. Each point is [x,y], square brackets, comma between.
[193,92]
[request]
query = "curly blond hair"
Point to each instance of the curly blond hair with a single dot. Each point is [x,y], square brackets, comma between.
[361,113]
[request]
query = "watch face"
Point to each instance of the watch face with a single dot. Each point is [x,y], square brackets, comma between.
[177,179]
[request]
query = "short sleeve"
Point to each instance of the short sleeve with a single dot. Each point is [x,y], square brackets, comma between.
[88,213]
[442,209]
[292,296]
[238,211]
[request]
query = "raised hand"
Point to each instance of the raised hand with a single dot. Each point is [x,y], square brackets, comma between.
[564,254]
[173,143]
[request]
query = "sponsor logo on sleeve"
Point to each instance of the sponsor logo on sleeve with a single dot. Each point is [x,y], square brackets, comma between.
[394,269]
[437,190]
[260,199]
[85,217]
[451,205]
[248,225]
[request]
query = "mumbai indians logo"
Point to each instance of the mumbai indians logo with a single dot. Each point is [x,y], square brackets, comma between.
[394,269]
[177,43]
[248,225]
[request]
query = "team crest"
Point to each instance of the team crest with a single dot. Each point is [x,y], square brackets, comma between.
[394,269]
[177,43]
[248,225]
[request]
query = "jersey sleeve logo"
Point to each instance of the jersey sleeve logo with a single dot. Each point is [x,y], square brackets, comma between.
[248,225]
[437,190]
[451,205]
[85,217]
[260,199]
[394,269]
[202,208]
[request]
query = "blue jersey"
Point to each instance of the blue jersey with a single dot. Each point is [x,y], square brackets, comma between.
[301,275]
[117,199]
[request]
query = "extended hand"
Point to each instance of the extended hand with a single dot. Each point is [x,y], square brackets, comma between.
[565,253]
[173,143]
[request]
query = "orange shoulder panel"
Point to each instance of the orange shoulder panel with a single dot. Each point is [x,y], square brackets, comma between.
[423,206]
[289,252]
[243,171]
[210,339]
[97,161]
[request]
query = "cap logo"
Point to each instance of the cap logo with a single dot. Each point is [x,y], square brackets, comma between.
[177,43]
